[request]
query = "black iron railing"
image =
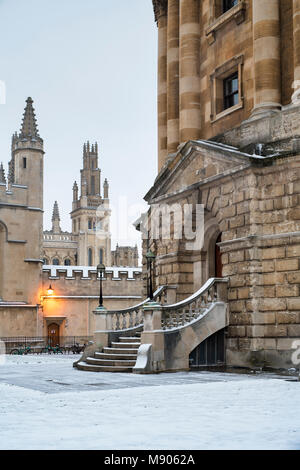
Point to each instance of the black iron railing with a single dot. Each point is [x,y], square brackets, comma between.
[38,344]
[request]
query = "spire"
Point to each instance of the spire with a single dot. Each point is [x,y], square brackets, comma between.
[2,174]
[29,125]
[55,219]
[55,215]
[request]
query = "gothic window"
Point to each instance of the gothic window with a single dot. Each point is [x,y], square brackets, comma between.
[90,257]
[101,257]
[93,185]
[45,261]
[55,262]
[231,91]
[67,262]
[90,224]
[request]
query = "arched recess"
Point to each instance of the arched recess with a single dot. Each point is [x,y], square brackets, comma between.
[3,238]
[205,261]
[90,257]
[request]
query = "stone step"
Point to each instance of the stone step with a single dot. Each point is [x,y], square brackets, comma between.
[120,350]
[116,357]
[96,368]
[109,362]
[125,345]
[129,339]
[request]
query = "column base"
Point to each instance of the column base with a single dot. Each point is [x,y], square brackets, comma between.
[265,110]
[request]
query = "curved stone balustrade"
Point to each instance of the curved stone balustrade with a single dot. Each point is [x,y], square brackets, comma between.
[132,317]
[192,308]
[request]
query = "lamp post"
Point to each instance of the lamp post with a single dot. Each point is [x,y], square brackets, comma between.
[150,256]
[100,272]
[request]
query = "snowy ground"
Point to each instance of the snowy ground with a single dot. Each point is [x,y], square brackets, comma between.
[46,404]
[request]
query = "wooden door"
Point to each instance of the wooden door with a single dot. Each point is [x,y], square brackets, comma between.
[53,334]
[218,258]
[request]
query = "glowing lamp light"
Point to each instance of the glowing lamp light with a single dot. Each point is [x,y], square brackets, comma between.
[50,291]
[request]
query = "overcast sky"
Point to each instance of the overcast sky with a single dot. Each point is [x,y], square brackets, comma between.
[90,67]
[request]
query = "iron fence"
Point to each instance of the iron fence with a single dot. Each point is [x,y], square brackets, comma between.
[39,344]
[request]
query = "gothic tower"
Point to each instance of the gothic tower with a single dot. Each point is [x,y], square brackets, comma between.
[90,212]
[21,217]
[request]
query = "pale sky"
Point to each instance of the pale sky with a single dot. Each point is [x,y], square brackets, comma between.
[90,67]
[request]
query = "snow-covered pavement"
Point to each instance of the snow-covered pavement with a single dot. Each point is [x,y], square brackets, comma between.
[46,404]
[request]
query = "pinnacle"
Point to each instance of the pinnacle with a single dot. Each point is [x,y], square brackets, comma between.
[55,215]
[2,174]
[29,124]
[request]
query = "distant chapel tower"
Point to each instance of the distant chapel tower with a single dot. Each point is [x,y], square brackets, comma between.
[90,212]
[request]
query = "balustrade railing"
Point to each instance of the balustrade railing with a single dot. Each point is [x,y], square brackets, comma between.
[192,308]
[133,317]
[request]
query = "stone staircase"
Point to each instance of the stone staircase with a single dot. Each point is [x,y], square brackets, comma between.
[119,357]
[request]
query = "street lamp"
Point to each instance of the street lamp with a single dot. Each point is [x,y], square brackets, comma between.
[150,256]
[100,272]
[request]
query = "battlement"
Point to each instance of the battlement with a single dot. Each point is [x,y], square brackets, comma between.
[90,273]
[13,195]
[74,281]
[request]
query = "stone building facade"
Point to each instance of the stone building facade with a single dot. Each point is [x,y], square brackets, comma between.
[228,137]
[89,243]
[25,280]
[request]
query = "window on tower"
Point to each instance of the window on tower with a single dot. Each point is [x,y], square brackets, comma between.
[228,4]
[90,257]
[93,185]
[24,162]
[55,262]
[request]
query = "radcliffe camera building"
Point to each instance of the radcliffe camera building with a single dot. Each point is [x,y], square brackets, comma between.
[228,139]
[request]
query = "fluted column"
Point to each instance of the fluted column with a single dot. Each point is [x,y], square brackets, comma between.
[173,75]
[162,86]
[266,48]
[190,117]
[296,40]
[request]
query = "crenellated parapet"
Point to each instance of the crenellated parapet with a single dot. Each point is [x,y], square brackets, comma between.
[83,281]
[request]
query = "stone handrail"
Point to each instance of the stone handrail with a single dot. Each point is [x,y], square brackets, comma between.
[132,317]
[192,308]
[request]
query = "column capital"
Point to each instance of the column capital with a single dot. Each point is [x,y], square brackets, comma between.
[160,8]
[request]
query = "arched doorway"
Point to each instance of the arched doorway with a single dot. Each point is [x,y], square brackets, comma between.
[53,334]
[218,258]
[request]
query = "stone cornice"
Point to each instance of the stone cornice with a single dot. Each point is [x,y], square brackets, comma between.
[160,8]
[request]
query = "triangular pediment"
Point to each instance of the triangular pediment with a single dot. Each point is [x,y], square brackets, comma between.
[196,162]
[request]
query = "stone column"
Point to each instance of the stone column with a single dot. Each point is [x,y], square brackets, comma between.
[190,117]
[296,40]
[266,50]
[173,75]
[162,85]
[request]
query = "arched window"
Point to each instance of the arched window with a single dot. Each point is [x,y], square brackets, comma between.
[55,262]
[101,256]
[90,257]
[45,261]
[67,262]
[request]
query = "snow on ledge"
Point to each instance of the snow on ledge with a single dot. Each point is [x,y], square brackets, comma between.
[87,270]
